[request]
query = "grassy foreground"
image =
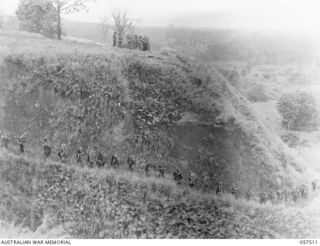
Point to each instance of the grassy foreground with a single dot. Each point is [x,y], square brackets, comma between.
[89,203]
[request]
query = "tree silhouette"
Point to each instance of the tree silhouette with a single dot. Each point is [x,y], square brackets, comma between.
[37,16]
[104,27]
[122,23]
[65,7]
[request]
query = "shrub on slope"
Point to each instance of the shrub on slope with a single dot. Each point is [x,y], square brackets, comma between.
[299,111]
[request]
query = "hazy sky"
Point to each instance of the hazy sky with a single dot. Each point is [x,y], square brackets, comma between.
[205,13]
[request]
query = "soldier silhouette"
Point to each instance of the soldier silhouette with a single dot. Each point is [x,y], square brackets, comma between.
[5,140]
[46,148]
[114,39]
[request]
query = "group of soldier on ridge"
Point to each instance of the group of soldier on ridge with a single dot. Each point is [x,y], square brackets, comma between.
[98,159]
[133,42]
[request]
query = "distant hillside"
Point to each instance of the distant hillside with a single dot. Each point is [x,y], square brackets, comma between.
[85,30]
[216,44]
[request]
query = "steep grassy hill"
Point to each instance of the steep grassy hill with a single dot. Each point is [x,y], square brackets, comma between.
[161,107]
[48,200]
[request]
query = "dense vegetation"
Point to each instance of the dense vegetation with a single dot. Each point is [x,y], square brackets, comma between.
[113,204]
[95,93]
[161,107]
[133,105]
[257,93]
[37,17]
[299,111]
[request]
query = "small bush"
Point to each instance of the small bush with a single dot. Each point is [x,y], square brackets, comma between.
[293,141]
[257,93]
[299,111]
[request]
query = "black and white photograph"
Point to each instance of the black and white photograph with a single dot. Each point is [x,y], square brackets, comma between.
[149,119]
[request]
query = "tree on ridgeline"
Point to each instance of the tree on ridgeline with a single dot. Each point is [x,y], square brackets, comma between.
[121,22]
[38,16]
[104,27]
[66,7]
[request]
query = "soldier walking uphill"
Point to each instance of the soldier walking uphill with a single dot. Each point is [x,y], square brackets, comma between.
[219,188]
[136,42]
[279,195]
[286,195]
[162,171]
[263,197]
[147,169]
[140,43]
[119,40]
[205,182]
[295,195]
[315,184]
[91,159]
[177,176]
[62,153]
[21,144]
[5,140]
[148,44]
[129,41]
[192,179]
[115,161]
[131,162]
[114,39]
[101,159]
[303,191]
[46,148]
[272,196]
[145,44]
[235,191]
[78,156]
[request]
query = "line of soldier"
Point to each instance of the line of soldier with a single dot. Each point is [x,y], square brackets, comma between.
[133,42]
[94,158]
[286,195]
[97,158]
